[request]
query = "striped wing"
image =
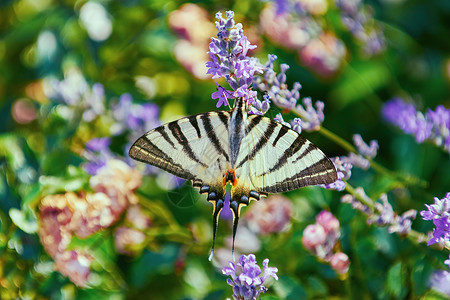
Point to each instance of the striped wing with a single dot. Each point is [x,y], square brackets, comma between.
[277,159]
[194,148]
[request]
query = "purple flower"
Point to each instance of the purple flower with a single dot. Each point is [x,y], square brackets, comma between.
[275,85]
[433,126]
[357,204]
[296,124]
[137,118]
[97,153]
[440,208]
[401,114]
[385,215]
[98,144]
[402,224]
[440,120]
[222,95]
[94,102]
[258,107]
[382,214]
[440,281]
[228,56]
[279,118]
[344,172]
[245,278]
[439,212]
[282,6]
[312,117]
[143,117]
[358,160]
[363,148]
[358,19]
[74,92]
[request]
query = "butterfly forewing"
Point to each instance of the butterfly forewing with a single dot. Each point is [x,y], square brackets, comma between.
[193,148]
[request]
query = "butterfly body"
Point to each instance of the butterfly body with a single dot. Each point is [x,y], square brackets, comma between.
[255,154]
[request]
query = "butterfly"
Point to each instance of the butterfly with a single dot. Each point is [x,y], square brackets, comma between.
[253,153]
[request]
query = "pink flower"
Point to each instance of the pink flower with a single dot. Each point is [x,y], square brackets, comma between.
[24,111]
[269,215]
[313,236]
[137,217]
[191,23]
[118,181]
[128,240]
[90,214]
[64,215]
[282,30]
[328,221]
[340,262]
[54,220]
[74,265]
[321,239]
[323,55]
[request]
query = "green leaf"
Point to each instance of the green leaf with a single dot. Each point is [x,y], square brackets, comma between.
[420,275]
[152,263]
[395,282]
[24,219]
[288,288]
[359,82]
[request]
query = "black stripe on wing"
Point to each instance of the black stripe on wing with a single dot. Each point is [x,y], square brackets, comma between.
[145,151]
[293,148]
[283,130]
[321,172]
[210,133]
[254,121]
[183,141]
[223,117]
[261,142]
[164,134]
[194,123]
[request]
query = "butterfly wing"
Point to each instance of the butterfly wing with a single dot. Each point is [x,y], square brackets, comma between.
[279,159]
[194,148]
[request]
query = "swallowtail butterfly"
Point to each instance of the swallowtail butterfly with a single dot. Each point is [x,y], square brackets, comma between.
[255,154]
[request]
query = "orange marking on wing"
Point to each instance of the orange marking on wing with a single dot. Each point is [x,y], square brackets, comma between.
[230,176]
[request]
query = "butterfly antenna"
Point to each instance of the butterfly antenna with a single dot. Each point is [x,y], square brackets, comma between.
[218,205]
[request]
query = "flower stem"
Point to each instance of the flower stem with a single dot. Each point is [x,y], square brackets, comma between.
[364,200]
[403,179]
[337,139]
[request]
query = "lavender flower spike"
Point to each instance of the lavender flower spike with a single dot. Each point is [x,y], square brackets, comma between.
[228,55]
[312,117]
[439,212]
[363,148]
[245,278]
[97,153]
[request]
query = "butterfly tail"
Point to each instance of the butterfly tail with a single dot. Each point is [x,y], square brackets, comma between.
[218,205]
[235,205]
[235,210]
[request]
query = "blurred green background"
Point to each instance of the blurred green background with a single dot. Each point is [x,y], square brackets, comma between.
[155,51]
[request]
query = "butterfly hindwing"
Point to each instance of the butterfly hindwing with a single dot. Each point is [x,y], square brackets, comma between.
[279,159]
